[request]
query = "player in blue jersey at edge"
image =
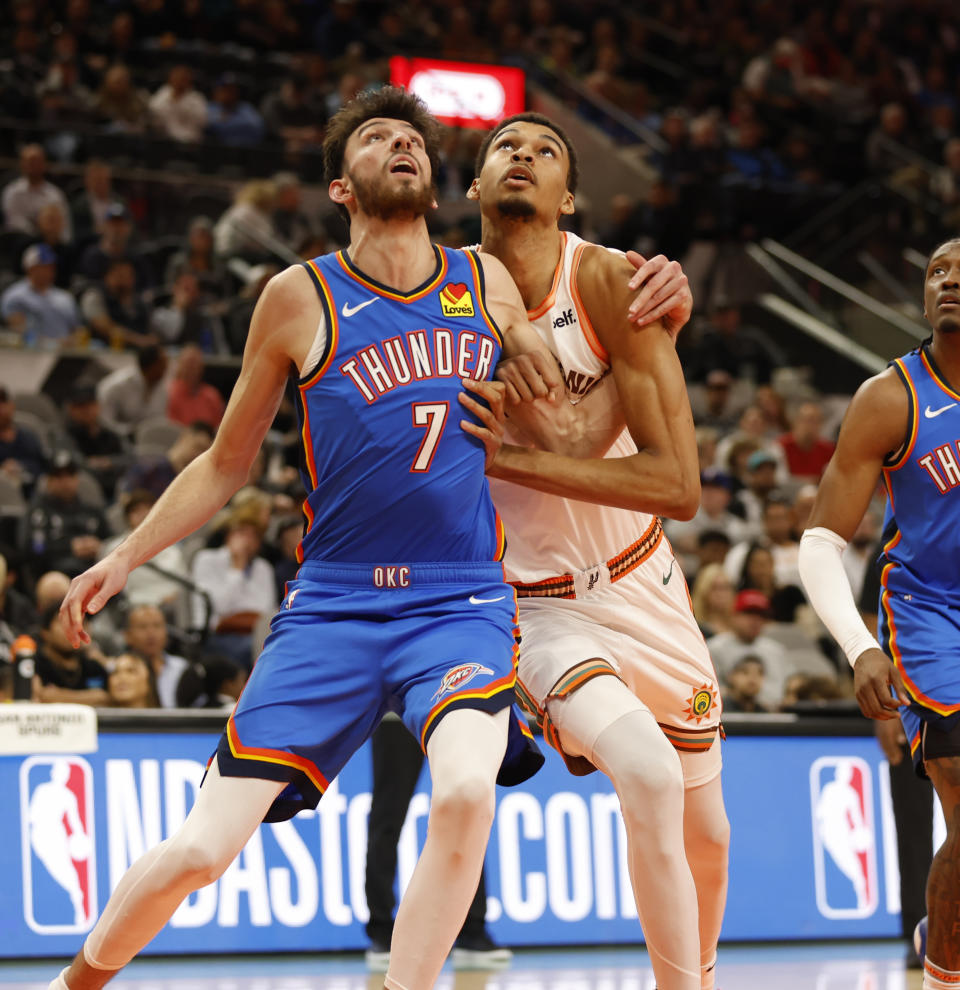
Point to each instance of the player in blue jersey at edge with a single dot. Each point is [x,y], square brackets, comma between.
[904,425]
[401,600]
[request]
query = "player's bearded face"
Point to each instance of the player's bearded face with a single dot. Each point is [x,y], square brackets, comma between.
[515,206]
[389,198]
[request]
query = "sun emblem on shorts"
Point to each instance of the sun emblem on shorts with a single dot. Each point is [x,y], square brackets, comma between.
[701,703]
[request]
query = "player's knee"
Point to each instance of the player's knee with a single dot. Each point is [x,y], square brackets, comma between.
[710,840]
[468,801]
[650,789]
[198,862]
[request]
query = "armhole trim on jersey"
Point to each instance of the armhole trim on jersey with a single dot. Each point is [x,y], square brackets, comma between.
[535,314]
[899,457]
[319,369]
[586,327]
[481,291]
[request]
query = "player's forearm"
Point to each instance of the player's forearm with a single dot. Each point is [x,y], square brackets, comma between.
[643,482]
[190,500]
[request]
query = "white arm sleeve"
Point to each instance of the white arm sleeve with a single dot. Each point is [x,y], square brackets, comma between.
[828,590]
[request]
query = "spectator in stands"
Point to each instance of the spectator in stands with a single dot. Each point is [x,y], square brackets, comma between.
[114,245]
[42,314]
[184,319]
[22,457]
[884,150]
[65,104]
[756,571]
[807,452]
[338,28]
[16,613]
[199,259]
[289,220]
[120,105]
[131,684]
[713,545]
[190,398]
[215,683]
[712,595]
[761,481]
[751,613]
[114,310]
[178,108]
[719,409]
[146,585]
[246,227]
[52,228]
[860,554]
[135,392]
[242,307]
[287,535]
[90,207]
[63,673]
[743,686]
[102,451]
[945,182]
[23,198]
[147,637]
[716,493]
[290,118]
[778,537]
[240,584]
[232,121]
[153,472]
[50,590]
[741,350]
[63,531]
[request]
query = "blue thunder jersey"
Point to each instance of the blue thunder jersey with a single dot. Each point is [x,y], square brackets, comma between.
[391,476]
[920,585]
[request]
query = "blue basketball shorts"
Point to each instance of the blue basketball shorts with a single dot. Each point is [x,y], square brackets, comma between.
[352,641]
[922,637]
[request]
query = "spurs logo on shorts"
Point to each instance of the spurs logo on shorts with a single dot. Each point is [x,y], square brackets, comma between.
[592,580]
[701,703]
[456,677]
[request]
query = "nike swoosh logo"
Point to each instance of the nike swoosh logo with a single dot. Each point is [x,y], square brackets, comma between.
[349,310]
[669,574]
[930,413]
[485,601]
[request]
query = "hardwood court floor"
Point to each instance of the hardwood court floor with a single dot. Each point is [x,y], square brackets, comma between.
[821,966]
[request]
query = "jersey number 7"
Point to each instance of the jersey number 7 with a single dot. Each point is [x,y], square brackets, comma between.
[433,416]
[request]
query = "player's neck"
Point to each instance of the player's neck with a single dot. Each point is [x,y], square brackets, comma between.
[530,251]
[396,253]
[946,353]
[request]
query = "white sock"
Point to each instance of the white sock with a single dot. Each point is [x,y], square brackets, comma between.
[935,978]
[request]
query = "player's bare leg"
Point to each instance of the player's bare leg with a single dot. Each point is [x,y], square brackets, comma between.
[603,721]
[942,966]
[706,838]
[464,755]
[227,812]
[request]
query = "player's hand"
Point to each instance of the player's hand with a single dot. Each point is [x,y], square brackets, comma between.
[873,676]
[88,593]
[535,375]
[892,739]
[489,411]
[664,293]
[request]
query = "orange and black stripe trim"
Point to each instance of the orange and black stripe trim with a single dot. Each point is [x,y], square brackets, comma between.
[690,740]
[384,290]
[586,326]
[937,375]
[537,312]
[489,691]
[277,757]
[562,586]
[901,456]
[481,293]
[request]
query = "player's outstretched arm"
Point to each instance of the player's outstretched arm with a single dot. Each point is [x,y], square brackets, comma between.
[281,331]
[875,426]
[663,477]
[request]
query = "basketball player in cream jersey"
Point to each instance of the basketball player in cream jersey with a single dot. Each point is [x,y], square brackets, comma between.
[612,663]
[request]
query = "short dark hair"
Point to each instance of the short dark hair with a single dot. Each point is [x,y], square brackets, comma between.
[530,116]
[148,356]
[392,103]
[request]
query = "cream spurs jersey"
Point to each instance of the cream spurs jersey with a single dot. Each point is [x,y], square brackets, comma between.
[548,534]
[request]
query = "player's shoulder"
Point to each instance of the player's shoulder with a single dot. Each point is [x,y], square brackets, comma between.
[599,262]
[878,414]
[882,393]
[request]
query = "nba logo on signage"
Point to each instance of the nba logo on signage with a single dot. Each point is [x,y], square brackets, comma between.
[57,842]
[844,837]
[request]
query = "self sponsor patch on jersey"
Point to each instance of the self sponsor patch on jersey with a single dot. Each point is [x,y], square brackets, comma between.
[700,704]
[459,676]
[455,300]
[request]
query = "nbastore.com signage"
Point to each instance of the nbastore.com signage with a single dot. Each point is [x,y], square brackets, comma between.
[813,852]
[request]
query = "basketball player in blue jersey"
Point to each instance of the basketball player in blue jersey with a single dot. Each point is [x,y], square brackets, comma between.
[612,663]
[903,426]
[400,601]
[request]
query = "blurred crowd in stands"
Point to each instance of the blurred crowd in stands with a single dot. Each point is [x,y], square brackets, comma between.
[758,114]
